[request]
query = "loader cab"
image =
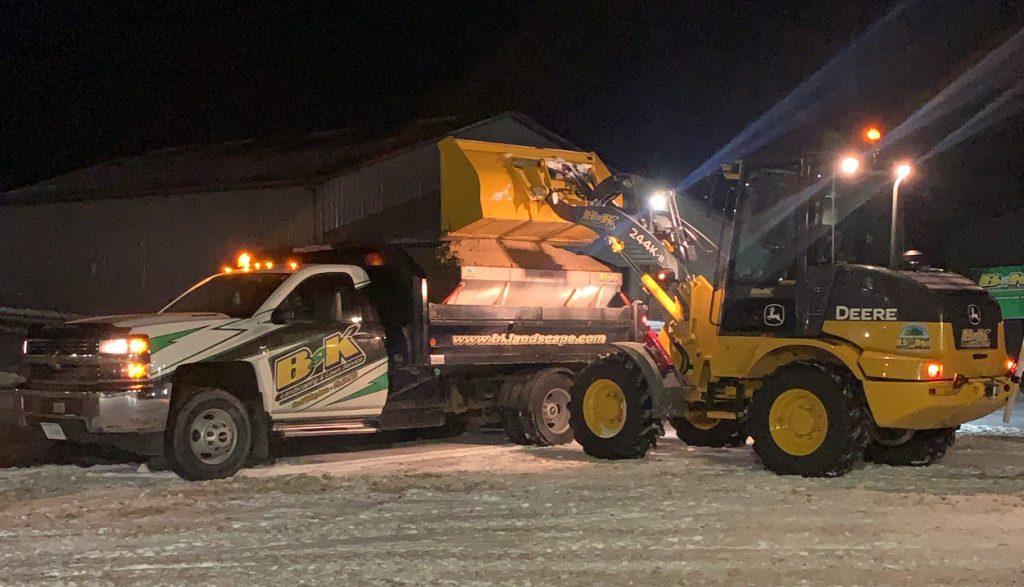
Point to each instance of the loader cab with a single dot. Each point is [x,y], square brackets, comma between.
[781,261]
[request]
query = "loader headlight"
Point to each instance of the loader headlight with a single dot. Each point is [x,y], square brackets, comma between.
[136,345]
[658,201]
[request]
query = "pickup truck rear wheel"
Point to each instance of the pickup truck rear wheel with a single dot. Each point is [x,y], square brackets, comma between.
[211,435]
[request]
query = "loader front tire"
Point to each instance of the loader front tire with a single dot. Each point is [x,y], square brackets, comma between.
[809,420]
[612,410]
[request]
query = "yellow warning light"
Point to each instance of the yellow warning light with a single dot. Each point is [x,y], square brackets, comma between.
[228,269]
[244,261]
[269,264]
[872,134]
[293,265]
[137,370]
[137,346]
[259,265]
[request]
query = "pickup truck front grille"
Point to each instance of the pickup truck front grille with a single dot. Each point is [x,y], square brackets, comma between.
[70,374]
[63,346]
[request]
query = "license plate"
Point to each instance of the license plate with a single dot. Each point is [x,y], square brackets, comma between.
[53,431]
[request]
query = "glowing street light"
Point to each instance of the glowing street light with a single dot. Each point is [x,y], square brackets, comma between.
[849,165]
[902,171]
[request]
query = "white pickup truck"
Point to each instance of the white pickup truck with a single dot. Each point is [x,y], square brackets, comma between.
[279,348]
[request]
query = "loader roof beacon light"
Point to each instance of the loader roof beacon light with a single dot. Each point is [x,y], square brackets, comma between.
[244,261]
[872,134]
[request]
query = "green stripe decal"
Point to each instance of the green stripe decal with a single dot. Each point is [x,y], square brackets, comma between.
[380,383]
[158,343]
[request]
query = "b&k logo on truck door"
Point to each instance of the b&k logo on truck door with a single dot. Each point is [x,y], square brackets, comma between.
[302,370]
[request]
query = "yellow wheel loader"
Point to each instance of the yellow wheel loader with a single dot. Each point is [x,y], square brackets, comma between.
[823,362]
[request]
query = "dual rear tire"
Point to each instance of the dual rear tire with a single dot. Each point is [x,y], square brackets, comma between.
[536,410]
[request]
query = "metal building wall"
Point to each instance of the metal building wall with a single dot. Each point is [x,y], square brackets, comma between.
[125,255]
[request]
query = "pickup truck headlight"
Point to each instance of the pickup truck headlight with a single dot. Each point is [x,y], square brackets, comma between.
[136,345]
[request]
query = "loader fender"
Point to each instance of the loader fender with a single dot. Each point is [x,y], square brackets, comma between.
[777,353]
[668,398]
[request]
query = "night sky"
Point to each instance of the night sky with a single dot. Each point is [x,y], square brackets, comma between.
[655,87]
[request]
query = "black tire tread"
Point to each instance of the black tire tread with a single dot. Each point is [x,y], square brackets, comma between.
[854,440]
[195,396]
[530,421]
[639,401]
[924,448]
[725,434]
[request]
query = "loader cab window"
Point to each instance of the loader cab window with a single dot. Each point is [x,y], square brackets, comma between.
[328,298]
[763,244]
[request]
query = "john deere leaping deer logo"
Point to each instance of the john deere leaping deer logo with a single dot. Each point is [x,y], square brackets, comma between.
[774,315]
[303,370]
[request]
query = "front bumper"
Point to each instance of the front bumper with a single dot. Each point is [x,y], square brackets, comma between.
[100,412]
[925,405]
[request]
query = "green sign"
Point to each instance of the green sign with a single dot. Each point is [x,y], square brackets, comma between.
[1006,284]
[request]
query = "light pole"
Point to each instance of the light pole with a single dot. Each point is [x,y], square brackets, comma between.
[848,166]
[903,171]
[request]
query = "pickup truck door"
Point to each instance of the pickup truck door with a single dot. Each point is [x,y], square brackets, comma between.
[329,360]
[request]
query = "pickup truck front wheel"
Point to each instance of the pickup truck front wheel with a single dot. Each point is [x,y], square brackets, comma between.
[211,435]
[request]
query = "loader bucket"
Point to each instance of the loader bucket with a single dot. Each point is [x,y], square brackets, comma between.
[495,190]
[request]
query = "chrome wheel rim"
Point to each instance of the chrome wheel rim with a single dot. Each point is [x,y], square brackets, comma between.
[555,410]
[213,436]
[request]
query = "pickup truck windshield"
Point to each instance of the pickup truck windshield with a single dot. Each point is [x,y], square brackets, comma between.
[238,295]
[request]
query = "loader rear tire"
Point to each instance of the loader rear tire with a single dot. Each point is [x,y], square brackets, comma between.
[698,430]
[809,420]
[612,409]
[923,448]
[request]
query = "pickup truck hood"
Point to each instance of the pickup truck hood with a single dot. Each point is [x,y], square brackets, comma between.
[142,321]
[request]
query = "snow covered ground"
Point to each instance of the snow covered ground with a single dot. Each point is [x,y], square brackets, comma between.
[475,511]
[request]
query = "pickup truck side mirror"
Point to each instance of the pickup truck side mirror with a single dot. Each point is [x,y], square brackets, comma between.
[281,316]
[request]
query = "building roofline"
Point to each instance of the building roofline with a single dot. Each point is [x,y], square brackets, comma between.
[37,195]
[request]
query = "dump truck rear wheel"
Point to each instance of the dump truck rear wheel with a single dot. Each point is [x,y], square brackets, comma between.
[923,448]
[695,429]
[809,420]
[612,409]
[535,411]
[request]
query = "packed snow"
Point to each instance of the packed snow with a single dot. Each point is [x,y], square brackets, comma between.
[476,511]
